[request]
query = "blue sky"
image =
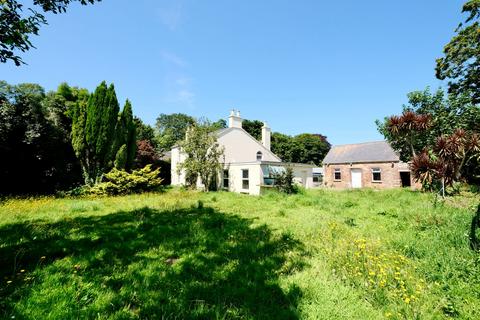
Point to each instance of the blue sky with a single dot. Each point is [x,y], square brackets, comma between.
[329,67]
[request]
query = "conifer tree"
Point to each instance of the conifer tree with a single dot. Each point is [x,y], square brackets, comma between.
[93,132]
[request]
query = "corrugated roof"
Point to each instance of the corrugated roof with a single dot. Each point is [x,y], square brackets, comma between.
[377,151]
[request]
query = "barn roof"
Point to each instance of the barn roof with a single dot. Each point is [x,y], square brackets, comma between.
[377,151]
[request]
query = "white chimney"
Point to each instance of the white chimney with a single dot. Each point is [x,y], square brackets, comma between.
[266,135]
[234,120]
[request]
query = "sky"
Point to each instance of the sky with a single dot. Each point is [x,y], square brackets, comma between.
[328,67]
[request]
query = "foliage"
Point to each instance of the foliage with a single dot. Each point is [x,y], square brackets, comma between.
[284,181]
[444,115]
[219,124]
[171,129]
[203,155]
[16,26]
[36,154]
[461,61]
[125,137]
[145,132]
[146,154]
[236,256]
[253,127]
[98,133]
[118,182]
[447,158]
[302,148]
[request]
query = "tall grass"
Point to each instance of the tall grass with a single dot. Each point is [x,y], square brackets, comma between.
[321,254]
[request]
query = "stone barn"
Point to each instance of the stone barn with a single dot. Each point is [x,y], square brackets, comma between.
[365,165]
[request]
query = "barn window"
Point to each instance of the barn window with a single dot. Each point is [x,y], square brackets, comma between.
[376,175]
[337,174]
[259,156]
[245,180]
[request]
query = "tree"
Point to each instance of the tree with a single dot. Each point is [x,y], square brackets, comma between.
[125,139]
[309,148]
[281,146]
[445,160]
[303,148]
[146,154]
[253,127]
[145,132]
[219,124]
[460,63]
[36,154]
[16,27]
[203,155]
[93,131]
[171,129]
[441,116]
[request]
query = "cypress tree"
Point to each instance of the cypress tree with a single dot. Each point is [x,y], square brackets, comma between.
[94,132]
[125,137]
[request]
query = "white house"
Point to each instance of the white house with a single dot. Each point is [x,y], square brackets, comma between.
[248,164]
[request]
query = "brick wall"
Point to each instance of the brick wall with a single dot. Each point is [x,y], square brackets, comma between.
[390,175]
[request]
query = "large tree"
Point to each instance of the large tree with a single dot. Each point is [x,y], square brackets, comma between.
[171,129]
[302,148]
[426,117]
[125,139]
[93,132]
[36,153]
[18,24]
[203,155]
[253,127]
[461,61]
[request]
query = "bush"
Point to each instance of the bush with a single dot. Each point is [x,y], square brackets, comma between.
[118,182]
[284,182]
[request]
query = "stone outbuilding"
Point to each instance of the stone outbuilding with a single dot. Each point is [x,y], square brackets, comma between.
[365,165]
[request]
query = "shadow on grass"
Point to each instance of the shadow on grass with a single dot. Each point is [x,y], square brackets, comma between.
[191,263]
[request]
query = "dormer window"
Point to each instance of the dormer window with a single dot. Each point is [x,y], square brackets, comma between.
[259,156]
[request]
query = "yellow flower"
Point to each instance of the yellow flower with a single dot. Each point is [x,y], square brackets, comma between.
[407,300]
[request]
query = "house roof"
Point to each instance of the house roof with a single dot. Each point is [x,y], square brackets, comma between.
[377,151]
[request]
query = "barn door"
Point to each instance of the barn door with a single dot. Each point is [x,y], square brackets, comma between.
[356,175]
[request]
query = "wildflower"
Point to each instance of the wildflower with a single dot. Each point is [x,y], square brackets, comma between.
[388,314]
[407,300]
[9,281]
[22,271]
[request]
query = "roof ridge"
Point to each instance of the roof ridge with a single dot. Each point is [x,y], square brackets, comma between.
[359,143]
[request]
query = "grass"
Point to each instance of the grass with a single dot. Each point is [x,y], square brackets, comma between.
[318,255]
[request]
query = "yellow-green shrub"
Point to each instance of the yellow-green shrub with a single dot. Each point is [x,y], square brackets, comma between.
[122,182]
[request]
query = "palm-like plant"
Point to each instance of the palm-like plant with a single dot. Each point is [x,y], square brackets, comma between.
[407,126]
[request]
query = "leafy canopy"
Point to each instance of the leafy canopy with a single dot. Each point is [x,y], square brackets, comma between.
[203,155]
[461,61]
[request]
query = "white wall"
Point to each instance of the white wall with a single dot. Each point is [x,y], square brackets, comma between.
[255,178]
[241,147]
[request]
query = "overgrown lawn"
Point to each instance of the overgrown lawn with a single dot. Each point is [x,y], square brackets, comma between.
[322,254]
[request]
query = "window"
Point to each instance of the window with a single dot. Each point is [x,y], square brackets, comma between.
[376,175]
[317,178]
[337,175]
[259,156]
[245,183]
[225,179]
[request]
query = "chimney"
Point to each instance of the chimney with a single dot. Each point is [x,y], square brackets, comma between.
[266,135]
[234,120]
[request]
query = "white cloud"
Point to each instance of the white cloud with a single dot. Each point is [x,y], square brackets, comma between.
[171,14]
[179,91]
[173,59]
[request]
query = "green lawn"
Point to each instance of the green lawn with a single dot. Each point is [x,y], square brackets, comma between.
[180,255]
